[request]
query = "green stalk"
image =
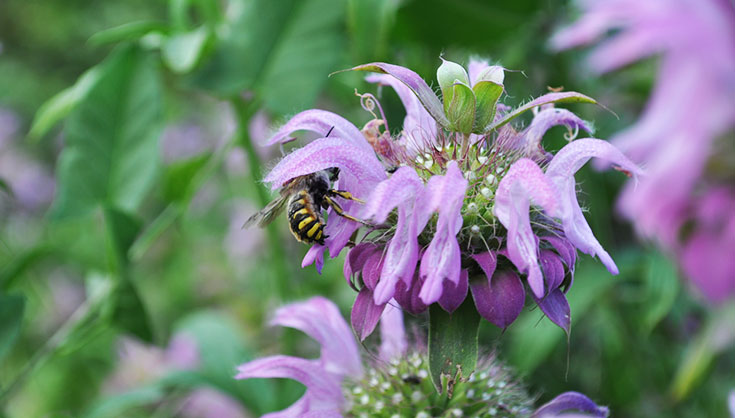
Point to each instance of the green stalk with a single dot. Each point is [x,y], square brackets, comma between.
[244,111]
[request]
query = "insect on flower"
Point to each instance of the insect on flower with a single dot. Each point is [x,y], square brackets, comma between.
[306,196]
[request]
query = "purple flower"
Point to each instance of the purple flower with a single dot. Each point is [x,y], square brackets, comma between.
[210,403]
[460,201]
[339,383]
[140,363]
[682,136]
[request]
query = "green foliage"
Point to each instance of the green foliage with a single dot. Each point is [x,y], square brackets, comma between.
[222,350]
[111,156]
[272,46]
[12,307]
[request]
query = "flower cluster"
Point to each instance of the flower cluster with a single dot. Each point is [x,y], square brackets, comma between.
[460,202]
[394,383]
[685,134]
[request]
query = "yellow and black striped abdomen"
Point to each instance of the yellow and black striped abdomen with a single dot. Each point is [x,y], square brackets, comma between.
[305,219]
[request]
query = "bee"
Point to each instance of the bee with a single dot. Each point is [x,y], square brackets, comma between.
[305,197]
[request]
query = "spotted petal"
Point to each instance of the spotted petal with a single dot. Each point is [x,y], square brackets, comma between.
[321,122]
[324,153]
[561,171]
[320,319]
[524,182]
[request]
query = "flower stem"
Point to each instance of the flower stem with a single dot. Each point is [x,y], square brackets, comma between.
[244,111]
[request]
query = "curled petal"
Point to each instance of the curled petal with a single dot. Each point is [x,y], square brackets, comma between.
[393,342]
[499,298]
[417,85]
[324,153]
[555,306]
[320,319]
[524,182]
[419,128]
[561,171]
[314,255]
[545,120]
[570,401]
[321,122]
[454,294]
[323,390]
[365,314]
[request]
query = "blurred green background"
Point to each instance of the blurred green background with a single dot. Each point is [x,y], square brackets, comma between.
[186,90]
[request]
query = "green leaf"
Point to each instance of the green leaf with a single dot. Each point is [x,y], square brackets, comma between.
[111,153]
[661,288]
[126,32]
[487,94]
[283,49]
[565,97]
[222,350]
[20,263]
[717,335]
[11,318]
[179,175]
[181,51]
[461,109]
[59,106]
[369,23]
[124,229]
[130,313]
[452,344]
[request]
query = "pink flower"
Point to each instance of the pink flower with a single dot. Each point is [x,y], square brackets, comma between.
[339,383]
[458,188]
[679,137]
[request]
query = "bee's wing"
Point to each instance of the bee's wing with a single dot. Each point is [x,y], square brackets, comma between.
[268,213]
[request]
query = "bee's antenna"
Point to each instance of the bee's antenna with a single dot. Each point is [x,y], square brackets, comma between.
[330,131]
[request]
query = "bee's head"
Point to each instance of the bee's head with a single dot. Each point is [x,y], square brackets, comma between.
[333,173]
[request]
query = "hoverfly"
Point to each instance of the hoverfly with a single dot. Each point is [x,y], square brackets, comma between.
[306,196]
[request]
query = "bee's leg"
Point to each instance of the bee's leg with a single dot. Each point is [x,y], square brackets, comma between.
[344,194]
[339,211]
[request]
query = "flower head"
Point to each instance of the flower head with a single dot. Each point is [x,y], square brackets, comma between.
[684,136]
[460,201]
[394,382]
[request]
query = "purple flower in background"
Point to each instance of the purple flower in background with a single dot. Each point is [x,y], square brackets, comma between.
[685,134]
[395,381]
[32,185]
[209,403]
[140,364]
[460,201]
